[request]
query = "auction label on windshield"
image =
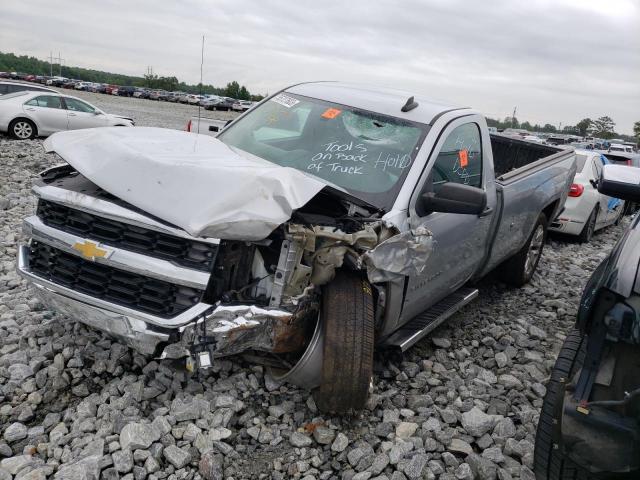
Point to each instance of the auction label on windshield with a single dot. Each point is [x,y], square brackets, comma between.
[285,100]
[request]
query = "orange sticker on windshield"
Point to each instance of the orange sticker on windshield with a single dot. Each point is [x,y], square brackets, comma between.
[331,113]
[463,156]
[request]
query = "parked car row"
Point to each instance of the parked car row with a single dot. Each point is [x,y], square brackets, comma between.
[210,102]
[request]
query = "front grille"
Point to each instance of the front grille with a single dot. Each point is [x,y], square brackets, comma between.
[182,251]
[128,289]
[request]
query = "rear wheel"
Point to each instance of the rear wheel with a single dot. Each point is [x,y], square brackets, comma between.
[23,129]
[549,461]
[348,323]
[589,228]
[519,269]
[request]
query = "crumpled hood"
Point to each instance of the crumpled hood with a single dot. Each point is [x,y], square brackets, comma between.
[193,181]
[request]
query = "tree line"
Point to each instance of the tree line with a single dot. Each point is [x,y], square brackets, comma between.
[10,62]
[602,127]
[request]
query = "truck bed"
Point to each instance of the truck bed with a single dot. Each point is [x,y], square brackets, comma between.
[528,176]
[511,154]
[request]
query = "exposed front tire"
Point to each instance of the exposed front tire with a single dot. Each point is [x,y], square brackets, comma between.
[519,269]
[23,129]
[549,461]
[347,369]
[589,227]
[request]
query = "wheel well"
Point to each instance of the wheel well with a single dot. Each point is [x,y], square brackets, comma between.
[549,209]
[26,119]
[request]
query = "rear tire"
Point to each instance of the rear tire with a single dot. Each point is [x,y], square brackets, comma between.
[589,227]
[23,129]
[549,462]
[347,369]
[519,269]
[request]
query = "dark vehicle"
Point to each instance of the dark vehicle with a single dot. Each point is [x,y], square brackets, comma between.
[126,91]
[99,88]
[589,426]
[141,93]
[69,84]
[12,87]
[225,104]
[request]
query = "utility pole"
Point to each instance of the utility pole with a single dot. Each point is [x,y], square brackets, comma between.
[513,117]
[60,60]
[51,63]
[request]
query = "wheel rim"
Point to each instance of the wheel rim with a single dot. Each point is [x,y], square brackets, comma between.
[22,130]
[535,250]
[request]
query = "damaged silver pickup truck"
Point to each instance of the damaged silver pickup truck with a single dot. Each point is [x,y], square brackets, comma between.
[327,220]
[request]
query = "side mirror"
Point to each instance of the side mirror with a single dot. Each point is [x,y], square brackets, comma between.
[594,183]
[97,112]
[453,197]
[621,182]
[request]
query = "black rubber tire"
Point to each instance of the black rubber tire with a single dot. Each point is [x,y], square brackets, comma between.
[34,129]
[589,227]
[513,271]
[550,463]
[348,322]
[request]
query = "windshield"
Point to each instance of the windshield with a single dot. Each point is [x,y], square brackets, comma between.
[365,153]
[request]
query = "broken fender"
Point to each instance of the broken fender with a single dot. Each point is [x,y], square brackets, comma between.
[405,254]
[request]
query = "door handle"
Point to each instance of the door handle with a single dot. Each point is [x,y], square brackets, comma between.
[72,114]
[485,212]
[30,109]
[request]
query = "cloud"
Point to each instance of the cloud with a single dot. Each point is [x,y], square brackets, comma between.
[556,60]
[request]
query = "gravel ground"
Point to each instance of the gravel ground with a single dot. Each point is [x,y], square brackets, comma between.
[463,404]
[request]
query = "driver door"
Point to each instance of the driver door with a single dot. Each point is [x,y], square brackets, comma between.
[463,156]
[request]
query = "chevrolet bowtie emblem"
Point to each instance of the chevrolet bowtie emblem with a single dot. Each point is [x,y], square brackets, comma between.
[90,250]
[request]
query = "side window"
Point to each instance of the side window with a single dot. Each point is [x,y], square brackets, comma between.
[460,158]
[78,106]
[46,101]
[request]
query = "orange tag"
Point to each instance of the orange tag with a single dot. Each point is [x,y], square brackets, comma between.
[463,156]
[331,113]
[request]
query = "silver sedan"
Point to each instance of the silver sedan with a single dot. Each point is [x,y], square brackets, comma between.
[30,114]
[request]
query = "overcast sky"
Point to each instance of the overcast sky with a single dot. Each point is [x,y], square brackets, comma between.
[556,60]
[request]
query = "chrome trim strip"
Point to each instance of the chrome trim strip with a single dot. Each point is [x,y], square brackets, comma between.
[118,258]
[177,321]
[102,208]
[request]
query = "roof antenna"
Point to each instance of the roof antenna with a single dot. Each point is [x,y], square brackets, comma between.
[199,100]
[410,105]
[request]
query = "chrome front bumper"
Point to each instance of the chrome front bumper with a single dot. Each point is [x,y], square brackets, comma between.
[235,327]
[132,327]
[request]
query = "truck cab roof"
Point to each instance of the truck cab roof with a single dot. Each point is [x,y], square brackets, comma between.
[387,101]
